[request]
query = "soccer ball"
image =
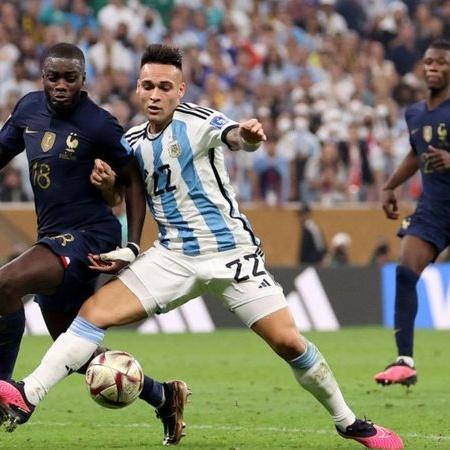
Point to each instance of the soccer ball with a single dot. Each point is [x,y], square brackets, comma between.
[114,379]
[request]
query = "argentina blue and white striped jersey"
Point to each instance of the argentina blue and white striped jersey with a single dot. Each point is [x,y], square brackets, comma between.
[188,189]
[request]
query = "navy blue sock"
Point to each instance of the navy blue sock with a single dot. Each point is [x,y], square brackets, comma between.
[405,309]
[152,392]
[12,327]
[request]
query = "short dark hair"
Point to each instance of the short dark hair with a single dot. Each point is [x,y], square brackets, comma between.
[162,54]
[440,44]
[65,50]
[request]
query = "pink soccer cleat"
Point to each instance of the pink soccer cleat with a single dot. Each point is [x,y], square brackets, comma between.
[397,373]
[372,436]
[15,409]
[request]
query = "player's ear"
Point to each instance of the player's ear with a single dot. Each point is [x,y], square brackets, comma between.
[84,78]
[181,90]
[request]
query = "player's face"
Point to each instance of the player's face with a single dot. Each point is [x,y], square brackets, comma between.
[63,79]
[436,64]
[159,88]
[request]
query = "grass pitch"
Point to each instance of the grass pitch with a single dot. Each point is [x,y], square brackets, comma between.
[244,397]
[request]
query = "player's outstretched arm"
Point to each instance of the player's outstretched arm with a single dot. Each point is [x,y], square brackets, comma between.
[407,168]
[248,136]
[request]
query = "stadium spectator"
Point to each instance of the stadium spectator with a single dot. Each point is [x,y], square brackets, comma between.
[339,254]
[11,189]
[281,53]
[312,241]
[272,173]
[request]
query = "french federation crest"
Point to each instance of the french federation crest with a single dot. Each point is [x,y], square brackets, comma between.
[174,150]
[71,142]
[442,132]
[48,140]
[427,133]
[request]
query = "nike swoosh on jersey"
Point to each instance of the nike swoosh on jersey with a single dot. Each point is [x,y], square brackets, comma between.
[415,131]
[28,131]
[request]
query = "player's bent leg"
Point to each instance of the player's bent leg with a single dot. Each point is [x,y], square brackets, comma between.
[36,269]
[168,398]
[314,375]
[114,304]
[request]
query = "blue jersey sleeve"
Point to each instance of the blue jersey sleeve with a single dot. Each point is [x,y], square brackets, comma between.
[11,135]
[114,148]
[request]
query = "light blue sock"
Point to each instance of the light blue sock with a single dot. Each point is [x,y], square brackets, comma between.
[87,330]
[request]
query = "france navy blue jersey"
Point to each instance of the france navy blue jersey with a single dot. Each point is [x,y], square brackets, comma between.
[61,152]
[430,127]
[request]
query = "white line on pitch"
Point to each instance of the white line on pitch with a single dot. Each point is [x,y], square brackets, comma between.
[434,437]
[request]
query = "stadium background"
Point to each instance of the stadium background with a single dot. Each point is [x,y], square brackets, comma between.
[330,80]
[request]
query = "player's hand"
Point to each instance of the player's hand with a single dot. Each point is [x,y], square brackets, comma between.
[113,261]
[438,159]
[389,203]
[252,132]
[111,267]
[102,175]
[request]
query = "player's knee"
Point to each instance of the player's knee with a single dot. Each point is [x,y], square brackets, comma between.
[288,345]
[9,294]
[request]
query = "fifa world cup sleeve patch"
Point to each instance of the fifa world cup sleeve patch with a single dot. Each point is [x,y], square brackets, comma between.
[219,121]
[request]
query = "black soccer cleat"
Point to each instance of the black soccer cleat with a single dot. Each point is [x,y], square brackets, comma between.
[15,409]
[171,413]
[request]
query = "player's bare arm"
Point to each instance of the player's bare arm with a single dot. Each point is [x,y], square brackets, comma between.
[116,260]
[408,167]
[104,178]
[248,136]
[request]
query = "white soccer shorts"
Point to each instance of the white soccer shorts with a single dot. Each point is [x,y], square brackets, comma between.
[164,279]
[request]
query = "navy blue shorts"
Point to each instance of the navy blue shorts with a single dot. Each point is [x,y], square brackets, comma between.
[431,224]
[79,281]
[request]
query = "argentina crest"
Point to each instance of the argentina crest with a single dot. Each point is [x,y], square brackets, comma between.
[48,140]
[174,149]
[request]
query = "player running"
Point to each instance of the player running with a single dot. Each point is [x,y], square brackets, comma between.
[427,232]
[64,132]
[205,245]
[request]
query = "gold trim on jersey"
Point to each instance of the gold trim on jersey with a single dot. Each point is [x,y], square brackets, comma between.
[427,133]
[48,140]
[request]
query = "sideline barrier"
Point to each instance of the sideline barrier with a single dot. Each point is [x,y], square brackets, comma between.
[433,290]
[323,300]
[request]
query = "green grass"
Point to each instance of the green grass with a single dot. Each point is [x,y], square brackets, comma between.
[244,397]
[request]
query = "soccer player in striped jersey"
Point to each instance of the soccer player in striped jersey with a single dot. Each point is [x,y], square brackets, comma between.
[205,245]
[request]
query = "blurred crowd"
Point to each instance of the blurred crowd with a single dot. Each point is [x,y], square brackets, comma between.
[329,79]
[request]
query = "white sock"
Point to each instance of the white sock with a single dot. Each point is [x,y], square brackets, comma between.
[313,374]
[68,353]
[406,359]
